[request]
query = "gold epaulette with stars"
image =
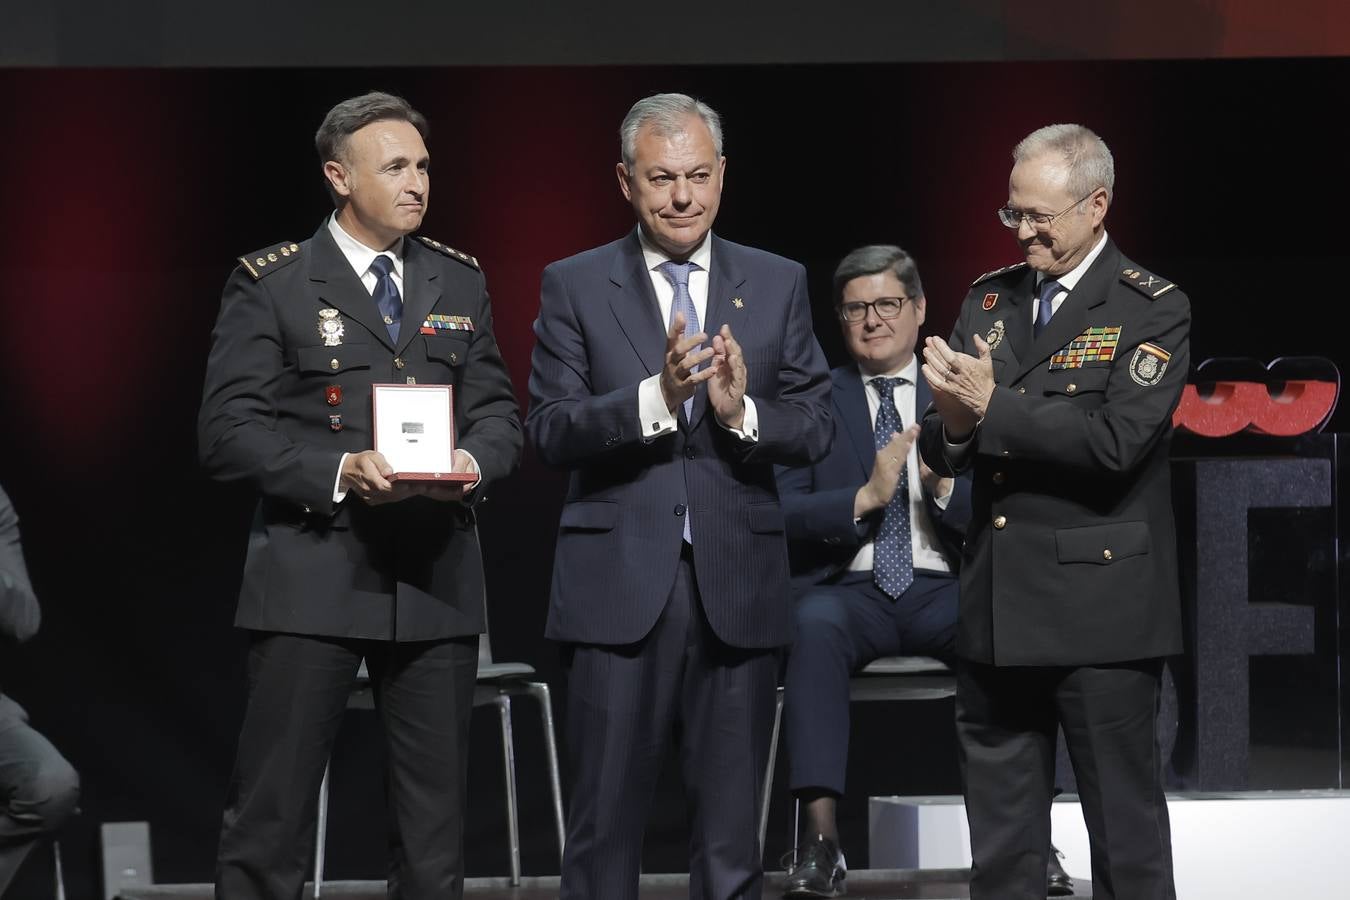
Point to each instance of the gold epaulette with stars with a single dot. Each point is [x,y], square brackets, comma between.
[269,259]
[451,252]
[1151,286]
[987,275]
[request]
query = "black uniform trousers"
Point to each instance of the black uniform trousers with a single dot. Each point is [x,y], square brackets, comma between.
[625,704]
[1006,718]
[298,690]
[841,627]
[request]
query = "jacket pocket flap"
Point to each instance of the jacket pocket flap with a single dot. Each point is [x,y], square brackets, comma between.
[448,350]
[765,518]
[590,515]
[313,360]
[1102,544]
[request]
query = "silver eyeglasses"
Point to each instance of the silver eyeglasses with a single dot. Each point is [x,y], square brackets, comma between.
[1012,218]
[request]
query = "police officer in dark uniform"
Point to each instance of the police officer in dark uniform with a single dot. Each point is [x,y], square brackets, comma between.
[1056,391]
[344,564]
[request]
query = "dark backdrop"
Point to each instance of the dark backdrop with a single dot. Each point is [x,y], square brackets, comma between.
[128,193]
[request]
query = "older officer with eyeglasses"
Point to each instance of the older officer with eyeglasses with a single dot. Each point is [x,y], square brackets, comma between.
[1056,392]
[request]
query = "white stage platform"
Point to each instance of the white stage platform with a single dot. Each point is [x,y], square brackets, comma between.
[1252,845]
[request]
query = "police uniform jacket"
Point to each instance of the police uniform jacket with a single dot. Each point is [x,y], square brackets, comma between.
[282,403]
[1070,557]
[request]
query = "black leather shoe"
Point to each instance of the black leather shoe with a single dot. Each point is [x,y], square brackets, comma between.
[819,871]
[1057,881]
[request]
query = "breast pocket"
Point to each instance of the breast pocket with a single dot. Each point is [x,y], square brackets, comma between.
[450,352]
[1087,383]
[332,360]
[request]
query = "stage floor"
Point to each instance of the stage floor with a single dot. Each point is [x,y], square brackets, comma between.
[874,884]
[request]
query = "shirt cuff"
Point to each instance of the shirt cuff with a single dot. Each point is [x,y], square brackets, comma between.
[654,420]
[749,430]
[340,492]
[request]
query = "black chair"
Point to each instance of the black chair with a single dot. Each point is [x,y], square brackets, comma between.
[888,678]
[498,682]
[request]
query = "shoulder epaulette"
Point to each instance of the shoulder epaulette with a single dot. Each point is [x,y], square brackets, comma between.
[987,275]
[451,252]
[1151,286]
[269,259]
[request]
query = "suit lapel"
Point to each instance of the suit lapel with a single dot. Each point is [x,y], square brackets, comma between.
[850,396]
[634,305]
[336,285]
[1073,314]
[724,281]
[421,291]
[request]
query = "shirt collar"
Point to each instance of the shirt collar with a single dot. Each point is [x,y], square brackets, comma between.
[358,254]
[653,256]
[907,373]
[1069,280]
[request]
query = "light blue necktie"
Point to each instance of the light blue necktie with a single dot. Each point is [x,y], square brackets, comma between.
[1045,306]
[678,276]
[893,549]
[386,295]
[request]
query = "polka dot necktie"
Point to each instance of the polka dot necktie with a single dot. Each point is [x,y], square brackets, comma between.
[386,295]
[678,275]
[893,550]
[1045,308]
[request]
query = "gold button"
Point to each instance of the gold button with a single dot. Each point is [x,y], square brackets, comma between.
[1022,389]
[998,478]
[398,362]
[1000,521]
[1071,388]
[1106,554]
[333,364]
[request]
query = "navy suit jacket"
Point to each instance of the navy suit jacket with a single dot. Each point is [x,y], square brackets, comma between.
[818,499]
[599,334]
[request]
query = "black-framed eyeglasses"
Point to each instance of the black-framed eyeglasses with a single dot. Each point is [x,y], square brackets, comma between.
[1012,218]
[854,311]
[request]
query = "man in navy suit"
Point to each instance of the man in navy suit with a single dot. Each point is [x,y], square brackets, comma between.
[670,580]
[875,538]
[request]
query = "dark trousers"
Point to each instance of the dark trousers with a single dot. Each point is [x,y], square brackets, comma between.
[1005,724]
[625,705]
[40,789]
[298,691]
[842,627]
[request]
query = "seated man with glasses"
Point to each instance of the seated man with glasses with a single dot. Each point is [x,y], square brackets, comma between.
[875,539]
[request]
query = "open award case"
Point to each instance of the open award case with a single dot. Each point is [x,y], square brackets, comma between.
[415,431]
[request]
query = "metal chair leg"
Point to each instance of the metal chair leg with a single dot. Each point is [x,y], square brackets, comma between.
[540,692]
[509,757]
[321,833]
[60,878]
[768,772]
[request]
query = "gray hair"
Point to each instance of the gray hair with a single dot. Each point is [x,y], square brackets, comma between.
[875,259]
[1085,155]
[351,115]
[667,115]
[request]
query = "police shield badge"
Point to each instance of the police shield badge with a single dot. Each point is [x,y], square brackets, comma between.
[1148,364]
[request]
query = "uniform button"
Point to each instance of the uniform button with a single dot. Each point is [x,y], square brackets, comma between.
[679,509]
[454,359]
[333,364]
[1106,554]
[1005,452]
[306,509]
[1000,521]
[689,452]
[1071,388]
[998,478]
[398,362]
[1022,389]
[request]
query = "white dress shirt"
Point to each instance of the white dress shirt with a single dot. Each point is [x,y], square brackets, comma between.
[923,535]
[654,418]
